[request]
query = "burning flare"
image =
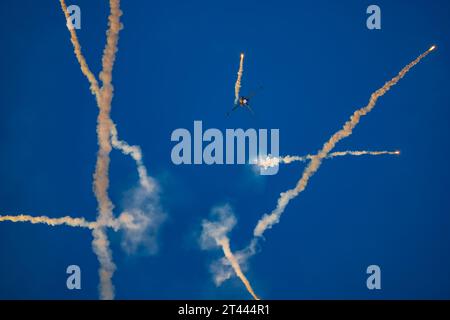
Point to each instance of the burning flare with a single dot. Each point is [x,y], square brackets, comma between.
[270,161]
[268,220]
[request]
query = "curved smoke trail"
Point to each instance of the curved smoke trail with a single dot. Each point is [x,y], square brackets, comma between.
[135,152]
[268,220]
[143,211]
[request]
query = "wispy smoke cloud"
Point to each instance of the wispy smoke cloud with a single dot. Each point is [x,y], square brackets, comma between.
[215,234]
[143,214]
[69,221]
[140,220]
[268,220]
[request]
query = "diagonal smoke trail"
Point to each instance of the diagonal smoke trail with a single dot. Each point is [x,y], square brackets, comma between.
[268,220]
[101,177]
[225,244]
[142,214]
[270,161]
[69,221]
[214,234]
[237,86]
[77,49]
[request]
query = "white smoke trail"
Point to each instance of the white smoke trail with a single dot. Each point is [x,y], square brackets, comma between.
[268,220]
[100,242]
[104,123]
[145,206]
[237,86]
[100,245]
[135,152]
[143,214]
[142,211]
[69,221]
[214,234]
[270,161]
[225,243]
[221,269]
[77,49]
[103,95]
[123,222]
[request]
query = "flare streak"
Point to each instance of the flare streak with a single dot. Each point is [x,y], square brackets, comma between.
[270,161]
[268,220]
[69,221]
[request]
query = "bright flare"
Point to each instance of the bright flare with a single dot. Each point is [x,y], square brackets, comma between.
[267,221]
[270,161]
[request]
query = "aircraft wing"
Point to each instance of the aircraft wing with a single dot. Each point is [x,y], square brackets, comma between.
[234,108]
[250,108]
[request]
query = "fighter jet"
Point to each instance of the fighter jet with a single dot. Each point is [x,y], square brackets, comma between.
[244,102]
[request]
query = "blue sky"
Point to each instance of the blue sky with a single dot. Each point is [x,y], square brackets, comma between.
[177,63]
